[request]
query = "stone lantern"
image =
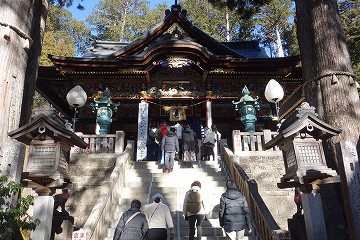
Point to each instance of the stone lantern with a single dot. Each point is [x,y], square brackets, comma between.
[49,151]
[300,139]
[247,107]
[47,166]
[104,110]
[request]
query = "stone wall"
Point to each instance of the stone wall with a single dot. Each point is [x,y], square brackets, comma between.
[88,173]
[267,171]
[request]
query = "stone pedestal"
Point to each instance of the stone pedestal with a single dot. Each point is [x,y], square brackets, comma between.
[314,216]
[43,210]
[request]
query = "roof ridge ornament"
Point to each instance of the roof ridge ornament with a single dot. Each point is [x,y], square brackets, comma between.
[305,108]
[175,7]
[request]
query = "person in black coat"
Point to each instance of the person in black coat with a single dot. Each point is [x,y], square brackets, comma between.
[234,213]
[152,146]
[136,228]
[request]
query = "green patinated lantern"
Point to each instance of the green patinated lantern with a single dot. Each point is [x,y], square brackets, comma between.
[247,107]
[105,109]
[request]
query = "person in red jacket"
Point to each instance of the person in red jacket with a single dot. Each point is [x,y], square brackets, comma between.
[164,128]
[161,132]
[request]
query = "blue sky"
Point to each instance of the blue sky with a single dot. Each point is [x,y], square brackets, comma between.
[90,4]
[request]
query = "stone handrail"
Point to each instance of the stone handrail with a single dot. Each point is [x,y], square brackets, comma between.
[98,222]
[266,226]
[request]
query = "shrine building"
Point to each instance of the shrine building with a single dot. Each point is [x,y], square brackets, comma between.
[174,66]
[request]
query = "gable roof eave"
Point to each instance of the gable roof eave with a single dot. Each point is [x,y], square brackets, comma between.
[174,17]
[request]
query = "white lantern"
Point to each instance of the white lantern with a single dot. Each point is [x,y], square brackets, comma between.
[273,91]
[76,97]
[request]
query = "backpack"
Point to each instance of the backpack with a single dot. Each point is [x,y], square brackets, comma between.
[194,202]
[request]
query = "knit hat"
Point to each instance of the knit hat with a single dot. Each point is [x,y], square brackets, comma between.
[158,197]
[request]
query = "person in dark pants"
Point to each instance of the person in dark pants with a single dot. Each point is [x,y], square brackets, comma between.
[170,145]
[189,146]
[159,219]
[133,224]
[152,146]
[234,213]
[179,132]
[195,219]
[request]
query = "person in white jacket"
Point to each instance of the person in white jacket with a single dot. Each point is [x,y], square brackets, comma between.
[194,218]
[159,219]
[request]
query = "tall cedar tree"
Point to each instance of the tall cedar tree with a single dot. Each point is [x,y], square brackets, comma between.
[323,50]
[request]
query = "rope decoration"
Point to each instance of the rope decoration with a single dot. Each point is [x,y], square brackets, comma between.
[176,113]
[334,79]
[19,32]
[165,105]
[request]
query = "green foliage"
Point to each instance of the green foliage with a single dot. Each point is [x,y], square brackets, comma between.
[123,21]
[213,21]
[245,8]
[56,45]
[273,17]
[290,43]
[64,35]
[14,218]
[350,16]
[67,3]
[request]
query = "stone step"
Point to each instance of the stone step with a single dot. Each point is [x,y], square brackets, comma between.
[178,220]
[151,190]
[184,231]
[205,165]
[171,178]
[175,180]
[147,178]
[170,197]
[140,164]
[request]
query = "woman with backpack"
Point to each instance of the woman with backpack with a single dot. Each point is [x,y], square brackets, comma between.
[194,210]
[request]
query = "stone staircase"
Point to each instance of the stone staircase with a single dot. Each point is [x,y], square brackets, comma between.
[147,178]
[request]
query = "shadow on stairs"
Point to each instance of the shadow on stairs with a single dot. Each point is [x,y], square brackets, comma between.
[147,178]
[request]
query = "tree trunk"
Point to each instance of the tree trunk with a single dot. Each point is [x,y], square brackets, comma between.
[19,21]
[328,76]
[280,51]
[323,50]
[227,25]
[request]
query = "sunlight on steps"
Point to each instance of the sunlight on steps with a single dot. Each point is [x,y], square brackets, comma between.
[147,178]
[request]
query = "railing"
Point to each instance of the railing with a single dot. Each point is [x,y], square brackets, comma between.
[248,144]
[266,226]
[98,222]
[104,143]
[252,141]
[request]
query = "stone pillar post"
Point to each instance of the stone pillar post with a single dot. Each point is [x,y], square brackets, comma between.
[43,210]
[119,141]
[209,122]
[142,131]
[237,144]
[349,172]
[208,113]
[313,214]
